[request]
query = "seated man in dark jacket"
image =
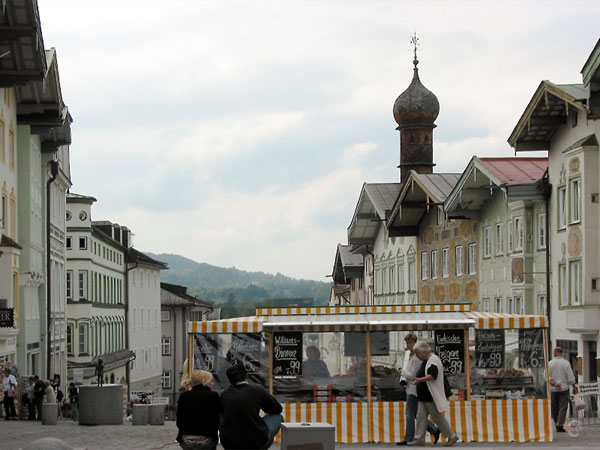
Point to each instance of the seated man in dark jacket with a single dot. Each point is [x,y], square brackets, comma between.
[241,424]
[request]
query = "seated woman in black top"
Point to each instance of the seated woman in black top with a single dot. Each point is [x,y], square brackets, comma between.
[198,413]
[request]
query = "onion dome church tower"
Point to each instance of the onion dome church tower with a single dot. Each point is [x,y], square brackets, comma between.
[415,111]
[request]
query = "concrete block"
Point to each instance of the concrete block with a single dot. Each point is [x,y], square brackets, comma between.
[156,414]
[49,414]
[101,405]
[140,414]
[307,436]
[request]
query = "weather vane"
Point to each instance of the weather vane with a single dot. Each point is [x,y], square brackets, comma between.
[415,41]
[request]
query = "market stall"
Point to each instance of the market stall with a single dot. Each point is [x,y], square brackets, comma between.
[340,365]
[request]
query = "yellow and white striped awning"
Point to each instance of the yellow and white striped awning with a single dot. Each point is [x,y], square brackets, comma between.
[500,320]
[374,321]
[390,309]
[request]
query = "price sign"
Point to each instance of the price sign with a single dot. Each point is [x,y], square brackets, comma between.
[450,348]
[287,354]
[489,349]
[531,348]
[245,349]
[206,352]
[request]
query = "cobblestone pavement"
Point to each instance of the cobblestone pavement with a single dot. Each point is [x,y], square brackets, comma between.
[15,434]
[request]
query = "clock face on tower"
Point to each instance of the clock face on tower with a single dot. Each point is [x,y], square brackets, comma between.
[82,215]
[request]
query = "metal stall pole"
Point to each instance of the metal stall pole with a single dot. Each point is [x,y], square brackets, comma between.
[369,399]
[467,365]
[271,363]
[190,355]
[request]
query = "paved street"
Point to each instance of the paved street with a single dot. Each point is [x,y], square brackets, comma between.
[16,434]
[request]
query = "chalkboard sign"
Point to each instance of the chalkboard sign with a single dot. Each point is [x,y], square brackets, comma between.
[245,350]
[206,352]
[531,348]
[287,354]
[489,349]
[355,343]
[450,348]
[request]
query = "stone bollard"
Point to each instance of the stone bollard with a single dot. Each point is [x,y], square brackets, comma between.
[101,405]
[156,415]
[49,414]
[140,415]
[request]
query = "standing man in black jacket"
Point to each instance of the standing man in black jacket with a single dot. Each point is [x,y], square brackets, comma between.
[241,424]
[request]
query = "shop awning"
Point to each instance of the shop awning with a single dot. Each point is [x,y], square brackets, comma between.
[447,307]
[500,320]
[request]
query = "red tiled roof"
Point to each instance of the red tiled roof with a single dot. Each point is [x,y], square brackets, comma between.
[515,170]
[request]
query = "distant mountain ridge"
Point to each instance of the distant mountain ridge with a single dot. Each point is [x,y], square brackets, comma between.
[221,284]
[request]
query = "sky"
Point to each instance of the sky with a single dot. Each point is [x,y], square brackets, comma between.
[240,133]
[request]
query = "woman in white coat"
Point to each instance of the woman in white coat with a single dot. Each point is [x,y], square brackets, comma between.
[431,395]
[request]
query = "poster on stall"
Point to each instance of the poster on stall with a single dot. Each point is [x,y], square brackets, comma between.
[287,354]
[245,350]
[450,348]
[489,349]
[206,352]
[531,348]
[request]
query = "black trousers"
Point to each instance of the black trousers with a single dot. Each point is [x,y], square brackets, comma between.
[559,401]
[9,406]
[36,404]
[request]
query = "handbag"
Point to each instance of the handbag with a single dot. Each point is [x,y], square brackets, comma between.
[579,403]
[13,393]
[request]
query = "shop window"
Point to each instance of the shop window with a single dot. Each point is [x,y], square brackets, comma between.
[499,239]
[541,222]
[575,191]
[459,260]
[434,264]
[487,242]
[424,265]
[562,207]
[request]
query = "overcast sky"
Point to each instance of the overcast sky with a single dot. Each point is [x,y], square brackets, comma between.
[240,133]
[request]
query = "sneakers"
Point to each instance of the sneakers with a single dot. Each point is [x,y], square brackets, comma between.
[453,440]
[402,443]
[436,436]
[416,443]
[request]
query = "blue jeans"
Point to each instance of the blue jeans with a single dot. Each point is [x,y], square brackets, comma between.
[75,411]
[273,422]
[410,412]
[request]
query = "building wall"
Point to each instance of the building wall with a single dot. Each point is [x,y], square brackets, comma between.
[145,328]
[394,258]
[170,363]
[9,261]
[436,233]
[512,256]
[575,322]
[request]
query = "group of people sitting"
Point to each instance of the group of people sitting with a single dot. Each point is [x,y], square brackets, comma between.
[204,417]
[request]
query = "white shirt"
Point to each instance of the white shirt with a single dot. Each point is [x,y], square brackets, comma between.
[6,383]
[410,373]
[560,372]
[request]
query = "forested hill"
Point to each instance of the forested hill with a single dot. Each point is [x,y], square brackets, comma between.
[231,285]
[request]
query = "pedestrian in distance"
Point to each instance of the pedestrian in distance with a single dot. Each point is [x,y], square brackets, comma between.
[561,379]
[74,401]
[409,374]
[31,399]
[9,386]
[431,395]
[198,412]
[38,397]
[242,427]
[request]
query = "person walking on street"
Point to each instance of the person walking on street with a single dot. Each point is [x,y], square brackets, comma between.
[242,427]
[9,386]
[198,413]
[74,401]
[431,395]
[38,397]
[409,374]
[561,378]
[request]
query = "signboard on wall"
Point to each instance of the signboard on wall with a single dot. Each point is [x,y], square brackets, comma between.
[245,350]
[7,317]
[287,354]
[450,348]
[531,348]
[489,349]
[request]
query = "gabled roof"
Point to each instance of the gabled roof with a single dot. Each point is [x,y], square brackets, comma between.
[374,200]
[5,241]
[419,193]
[347,264]
[78,198]
[176,295]
[517,178]
[547,110]
[134,256]
[591,68]
[588,141]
